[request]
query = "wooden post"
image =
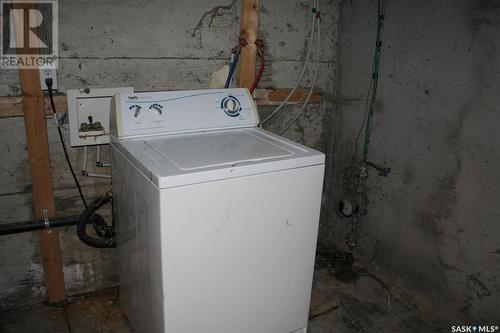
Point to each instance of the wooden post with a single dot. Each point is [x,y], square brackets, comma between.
[41,177]
[249,27]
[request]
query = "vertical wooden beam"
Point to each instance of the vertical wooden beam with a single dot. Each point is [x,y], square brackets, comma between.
[36,138]
[249,27]
[41,177]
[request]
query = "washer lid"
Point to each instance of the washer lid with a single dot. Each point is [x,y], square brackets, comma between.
[216,149]
[191,158]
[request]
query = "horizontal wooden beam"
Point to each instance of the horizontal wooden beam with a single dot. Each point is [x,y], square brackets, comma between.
[12,106]
[277,96]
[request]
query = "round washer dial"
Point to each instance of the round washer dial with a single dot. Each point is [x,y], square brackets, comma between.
[231,106]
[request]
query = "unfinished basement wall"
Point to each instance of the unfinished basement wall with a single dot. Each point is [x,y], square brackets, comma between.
[432,226]
[147,44]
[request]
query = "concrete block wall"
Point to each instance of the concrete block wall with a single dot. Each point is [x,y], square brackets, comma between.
[147,44]
[431,227]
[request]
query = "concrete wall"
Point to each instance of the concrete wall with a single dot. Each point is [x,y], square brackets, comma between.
[147,44]
[431,227]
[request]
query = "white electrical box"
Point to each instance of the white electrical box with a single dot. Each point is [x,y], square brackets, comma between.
[89,111]
[46,73]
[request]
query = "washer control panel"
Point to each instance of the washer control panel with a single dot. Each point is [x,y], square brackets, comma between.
[168,112]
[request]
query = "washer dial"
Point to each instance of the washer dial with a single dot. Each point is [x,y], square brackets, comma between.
[231,106]
[136,109]
[156,107]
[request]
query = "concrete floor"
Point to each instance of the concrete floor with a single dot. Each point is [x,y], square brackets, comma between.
[343,301]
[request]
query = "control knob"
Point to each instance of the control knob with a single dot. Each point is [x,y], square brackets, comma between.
[136,109]
[156,107]
[231,106]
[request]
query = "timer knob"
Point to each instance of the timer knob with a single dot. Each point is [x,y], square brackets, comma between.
[231,106]
[136,109]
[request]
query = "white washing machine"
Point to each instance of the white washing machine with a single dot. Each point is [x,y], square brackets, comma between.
[217,219]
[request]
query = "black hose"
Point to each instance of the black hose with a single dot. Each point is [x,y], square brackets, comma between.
[49,83]
[90,217]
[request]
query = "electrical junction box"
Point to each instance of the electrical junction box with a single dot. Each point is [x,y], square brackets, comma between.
[89,111]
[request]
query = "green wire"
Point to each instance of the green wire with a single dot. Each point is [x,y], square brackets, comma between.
[375,73]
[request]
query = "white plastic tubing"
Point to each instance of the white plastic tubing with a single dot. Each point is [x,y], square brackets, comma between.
[315,22]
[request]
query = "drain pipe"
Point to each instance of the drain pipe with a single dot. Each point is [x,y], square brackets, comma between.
[26,226]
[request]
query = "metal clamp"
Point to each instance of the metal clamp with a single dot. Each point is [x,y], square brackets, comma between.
[46,220]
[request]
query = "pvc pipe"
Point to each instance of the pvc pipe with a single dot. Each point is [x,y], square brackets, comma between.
[85,173]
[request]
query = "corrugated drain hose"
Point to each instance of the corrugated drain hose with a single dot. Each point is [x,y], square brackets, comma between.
[89,216]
